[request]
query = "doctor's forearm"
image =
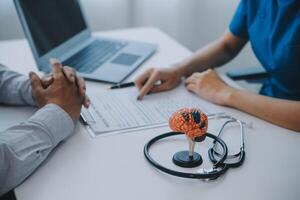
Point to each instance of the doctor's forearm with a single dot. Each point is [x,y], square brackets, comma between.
[213,55]
[281,112]
[210,56]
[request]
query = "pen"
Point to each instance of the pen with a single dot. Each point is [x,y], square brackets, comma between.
[83,120]
[122,85]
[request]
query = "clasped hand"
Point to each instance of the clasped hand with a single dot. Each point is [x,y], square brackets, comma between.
[62,88]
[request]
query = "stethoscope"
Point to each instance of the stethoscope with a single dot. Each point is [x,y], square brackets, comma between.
[220,159]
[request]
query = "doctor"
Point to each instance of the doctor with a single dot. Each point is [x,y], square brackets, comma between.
[273,30]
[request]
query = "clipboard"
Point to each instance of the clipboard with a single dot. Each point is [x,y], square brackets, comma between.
[118,111]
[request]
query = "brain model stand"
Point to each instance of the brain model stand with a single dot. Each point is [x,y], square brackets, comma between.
[193,123]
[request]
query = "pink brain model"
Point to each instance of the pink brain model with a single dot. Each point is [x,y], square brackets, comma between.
[191,121]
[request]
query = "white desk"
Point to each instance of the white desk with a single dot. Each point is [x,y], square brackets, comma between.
[85,168]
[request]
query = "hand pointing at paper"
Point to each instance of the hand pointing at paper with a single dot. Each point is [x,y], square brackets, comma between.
[148,82]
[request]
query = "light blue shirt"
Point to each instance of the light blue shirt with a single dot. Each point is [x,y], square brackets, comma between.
[25,146]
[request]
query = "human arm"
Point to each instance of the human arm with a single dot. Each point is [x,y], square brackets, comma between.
[208,85]
[24,147]
[213,55]
[15,88]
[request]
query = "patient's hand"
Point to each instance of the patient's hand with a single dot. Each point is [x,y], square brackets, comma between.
[70,74]
[209,86]
[61,91]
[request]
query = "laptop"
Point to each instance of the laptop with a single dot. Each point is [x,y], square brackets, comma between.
[58,29]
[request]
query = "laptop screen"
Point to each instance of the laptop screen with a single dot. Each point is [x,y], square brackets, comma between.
[52,22]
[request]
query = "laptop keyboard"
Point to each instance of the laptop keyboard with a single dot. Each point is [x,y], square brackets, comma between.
[94,55]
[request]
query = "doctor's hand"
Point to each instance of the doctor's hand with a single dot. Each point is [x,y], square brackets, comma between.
[71,76]
[157,80]
[61,92]
[209,86]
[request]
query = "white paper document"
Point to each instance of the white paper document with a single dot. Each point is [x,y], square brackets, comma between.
[119,110]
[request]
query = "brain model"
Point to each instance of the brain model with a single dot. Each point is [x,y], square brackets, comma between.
[191,121]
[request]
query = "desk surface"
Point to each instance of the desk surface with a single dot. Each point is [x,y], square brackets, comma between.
[113,167]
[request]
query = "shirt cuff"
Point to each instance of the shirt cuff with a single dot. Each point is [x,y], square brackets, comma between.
[55,120]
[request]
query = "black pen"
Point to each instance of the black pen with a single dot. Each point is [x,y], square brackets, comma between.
[122,85]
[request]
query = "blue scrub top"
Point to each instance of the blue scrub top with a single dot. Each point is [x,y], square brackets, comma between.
[273,29]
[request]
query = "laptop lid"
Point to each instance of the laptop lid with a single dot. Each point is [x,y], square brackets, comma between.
[52,27]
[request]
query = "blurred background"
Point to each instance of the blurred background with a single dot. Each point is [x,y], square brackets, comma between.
[193,23]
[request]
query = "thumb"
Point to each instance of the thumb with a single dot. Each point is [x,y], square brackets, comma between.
[35,81]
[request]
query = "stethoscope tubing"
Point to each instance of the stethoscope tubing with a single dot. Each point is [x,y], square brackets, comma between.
[219,169]
[241,155]
[221,165]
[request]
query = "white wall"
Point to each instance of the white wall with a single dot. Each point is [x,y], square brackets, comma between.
[101,14]
[193,23]
[9,23]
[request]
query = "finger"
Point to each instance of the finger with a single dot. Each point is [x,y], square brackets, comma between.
[191,87]
[208,71]
[160,88]
[69,73]
[148,85]
[194,76]
[191,79]
[140,81]
[35,82]
[56,68]
[197,74]
[47,81]
[81,86]
[86,102]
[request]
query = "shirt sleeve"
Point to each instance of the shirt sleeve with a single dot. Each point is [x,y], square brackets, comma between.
[25,146]
[238,24]
[15,88]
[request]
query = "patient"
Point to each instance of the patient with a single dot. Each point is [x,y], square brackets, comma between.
[25,146]
[273,29]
